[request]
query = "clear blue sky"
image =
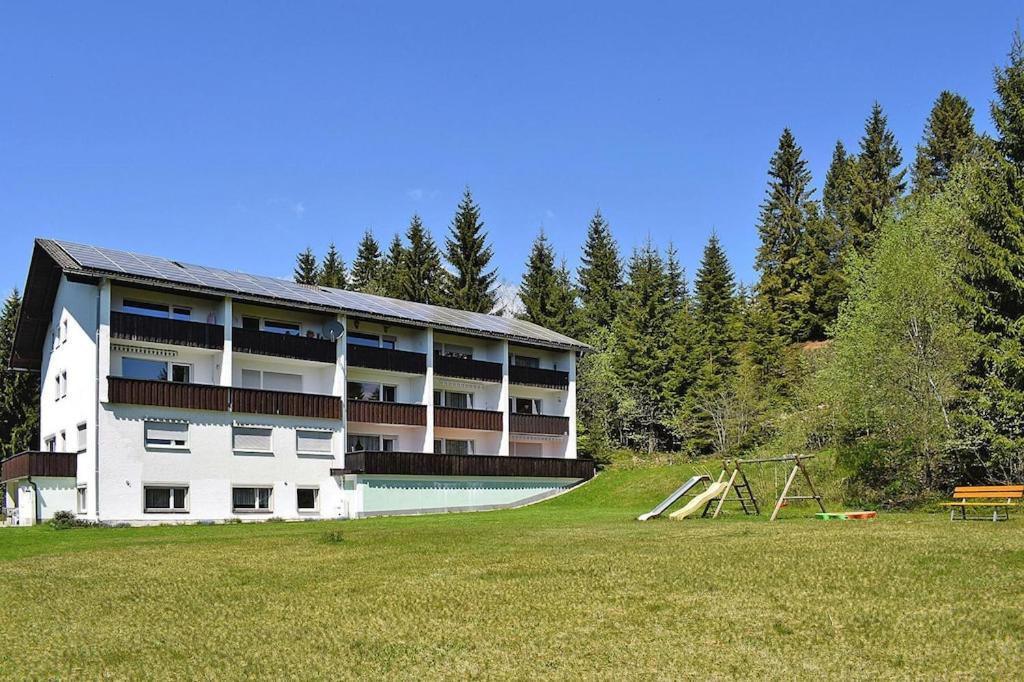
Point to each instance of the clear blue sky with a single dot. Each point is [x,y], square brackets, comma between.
[234,134]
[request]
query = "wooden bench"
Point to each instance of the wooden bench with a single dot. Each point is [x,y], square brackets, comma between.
[998,498]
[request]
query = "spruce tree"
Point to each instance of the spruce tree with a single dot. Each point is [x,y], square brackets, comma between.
[537,291]
[19,391]
[471,285]
[676,276]
[368,266]
[877,182]
[1008,107]
[392,268]
[599,276]
[306,270]
[332,269]
[783,253]
[822,272]
[837,193]
[422,278]
[949,138]
[715,305]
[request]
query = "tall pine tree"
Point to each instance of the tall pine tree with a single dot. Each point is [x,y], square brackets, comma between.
[599,276]
[949,138]
[422,278]
[306,270]
[368,266]
[393,267]
[546,293]
[19,391]
[332,269]
[877,180]
[472,284]
[1008,107]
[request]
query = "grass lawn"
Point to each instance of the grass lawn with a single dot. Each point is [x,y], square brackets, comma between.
[569,588]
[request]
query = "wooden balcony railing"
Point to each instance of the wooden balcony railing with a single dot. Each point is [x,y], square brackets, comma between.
[377,412]
[386,359]
[221,398]
[282,345]
[426,464]
[539,423]
[164,330]
[36,463]
[535,376]
[463,368]
[168,394]
[457,418]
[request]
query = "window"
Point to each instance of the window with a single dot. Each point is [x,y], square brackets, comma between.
[371,390]
[55,336]
[50,444]
[251,499]
[62,442]
[358,442]
[82,500]
[448,446]
[453,399]
[451,350]
[252,323]
[525,361]
[166,499]
[252,439]
[389,342]
[271,381]
[174,312]
[56,387]
[525,405]
[181,374]
[83,441]
[527,449]
[314,442]
[171,435]
[139,368]
[361,339]
[307,499]
[64,331]
[63,384]
[281,327]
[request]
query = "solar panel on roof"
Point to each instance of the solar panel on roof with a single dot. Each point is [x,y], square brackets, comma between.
[152,267]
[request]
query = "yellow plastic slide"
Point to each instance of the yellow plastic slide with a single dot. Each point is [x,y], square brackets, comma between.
[698,502]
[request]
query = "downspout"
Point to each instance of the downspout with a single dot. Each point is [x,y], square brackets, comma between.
[37,517]
[96,415]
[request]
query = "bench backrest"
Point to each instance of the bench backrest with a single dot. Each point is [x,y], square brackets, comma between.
[965,492]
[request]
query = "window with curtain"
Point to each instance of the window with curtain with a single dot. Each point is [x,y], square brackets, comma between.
[250,499]
[165,498]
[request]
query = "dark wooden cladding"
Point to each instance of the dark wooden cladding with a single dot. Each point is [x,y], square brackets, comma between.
[221,398]
[539,423]
[426,464]
[255,401]
[463,368]
[536,376]
[35,463]
[164,330]
[386,359]
[457,418]
[168,394]
[282,345]
[377,412]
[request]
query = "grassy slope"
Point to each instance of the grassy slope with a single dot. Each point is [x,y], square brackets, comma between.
[567,588]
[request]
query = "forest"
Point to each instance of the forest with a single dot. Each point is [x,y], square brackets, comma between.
[885,325]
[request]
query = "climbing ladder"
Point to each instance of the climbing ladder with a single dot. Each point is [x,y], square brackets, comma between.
[741,490]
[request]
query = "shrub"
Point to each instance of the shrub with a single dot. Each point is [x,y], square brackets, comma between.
[333,537]
[63,520]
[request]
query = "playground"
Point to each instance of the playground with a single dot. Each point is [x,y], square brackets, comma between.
[574,587]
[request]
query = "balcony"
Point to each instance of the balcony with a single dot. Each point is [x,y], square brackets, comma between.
[35,463]
[388,359]
[458,418]
[546,424]
[465,368]
[133,327]
[282,345]
[377,412]
[535,376]
[221,398]
[426,464]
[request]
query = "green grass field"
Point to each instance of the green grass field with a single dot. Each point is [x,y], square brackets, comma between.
[570,588]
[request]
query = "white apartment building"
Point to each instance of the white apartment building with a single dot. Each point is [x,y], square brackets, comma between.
[181,393]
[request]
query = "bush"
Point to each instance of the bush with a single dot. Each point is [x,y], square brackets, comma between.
[333,537]
[63,520]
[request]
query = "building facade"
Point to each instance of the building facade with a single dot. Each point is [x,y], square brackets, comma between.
[181,393]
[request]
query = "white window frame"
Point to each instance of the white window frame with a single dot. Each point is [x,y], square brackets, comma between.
[171,310]
[50,443]
[62,440]
[515,445]
[262,386]
[299,451]
[82,432]
[82,498]
[256,510]
[283,327]
[381,437]
[258,427]
[471,447]
[188,365]
[64,331]
[316,499]
[170,510]
[444,398]
[63,383]
[538,405]
[380,392]
[162,446]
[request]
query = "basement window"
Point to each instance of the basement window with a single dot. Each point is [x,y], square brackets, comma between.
[166,499]
[307,499]
[248,500]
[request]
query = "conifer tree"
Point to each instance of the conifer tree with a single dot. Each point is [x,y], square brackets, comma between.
[368,266]
[877,182]
[422,278]
[393,267]
[19,391]
[306,270]
[546,292]
[599,276]
[332,269]
[823,276]
[1008,107]
[949,138]
[782,256]
[838,190]
[471,285]
[676,276]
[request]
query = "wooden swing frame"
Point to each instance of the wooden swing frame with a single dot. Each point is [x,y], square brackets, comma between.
[744,494]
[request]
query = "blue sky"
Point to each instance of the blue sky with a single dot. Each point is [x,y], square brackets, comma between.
[234,134]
